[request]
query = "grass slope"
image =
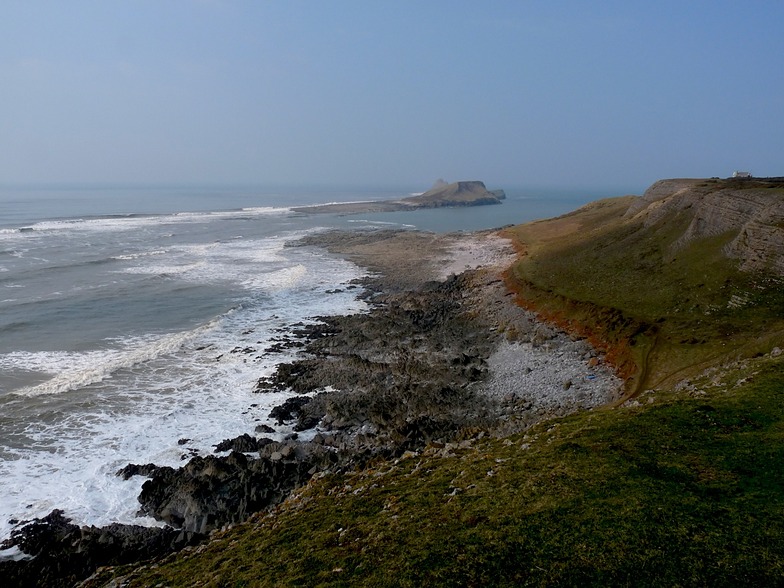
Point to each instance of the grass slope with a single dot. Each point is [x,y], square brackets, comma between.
[683,486]
[686,491]
[665,314]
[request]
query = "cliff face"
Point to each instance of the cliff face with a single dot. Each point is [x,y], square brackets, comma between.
[752,210]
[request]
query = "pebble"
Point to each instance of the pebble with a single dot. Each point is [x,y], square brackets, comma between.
[557,380]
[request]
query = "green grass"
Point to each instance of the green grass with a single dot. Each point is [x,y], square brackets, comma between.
[682,492]
[673,309]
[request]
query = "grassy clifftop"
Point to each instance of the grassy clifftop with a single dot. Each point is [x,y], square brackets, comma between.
[668,300]
[680,486]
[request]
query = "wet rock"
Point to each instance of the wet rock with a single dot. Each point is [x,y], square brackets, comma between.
[64,553]
[132,469]
[310,414]
[244,444]
[245,350]
[210,492]
[283,346]
[265,385]
[290,409]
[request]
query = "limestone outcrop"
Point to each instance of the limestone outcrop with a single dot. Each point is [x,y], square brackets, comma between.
[749,211]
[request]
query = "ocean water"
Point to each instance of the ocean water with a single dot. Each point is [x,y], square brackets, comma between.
[134,324]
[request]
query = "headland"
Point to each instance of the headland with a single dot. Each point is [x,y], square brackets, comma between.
[465,193]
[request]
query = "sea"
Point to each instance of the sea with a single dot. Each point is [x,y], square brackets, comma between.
[135,322]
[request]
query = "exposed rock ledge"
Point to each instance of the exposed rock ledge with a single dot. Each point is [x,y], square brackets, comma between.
[467,193]
[749,210]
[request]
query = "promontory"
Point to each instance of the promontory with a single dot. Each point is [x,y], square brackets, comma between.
[442,194]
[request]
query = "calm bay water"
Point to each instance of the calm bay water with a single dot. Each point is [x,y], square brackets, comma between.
[133,318]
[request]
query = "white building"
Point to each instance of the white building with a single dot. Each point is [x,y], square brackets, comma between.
[741,174]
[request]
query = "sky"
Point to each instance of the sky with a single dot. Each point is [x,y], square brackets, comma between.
[371,93]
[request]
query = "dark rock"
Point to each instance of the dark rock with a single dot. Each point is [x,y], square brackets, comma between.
[64,553]
[311,413]
[245,350]
[265,385]
[290,409]
[414,355]
[264,429]
[133,469]
[283,344]
[420,431]
[244,444]
[210,492]
[323,328]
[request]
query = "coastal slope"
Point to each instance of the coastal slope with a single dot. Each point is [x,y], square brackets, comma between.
[684,278]
[677,482]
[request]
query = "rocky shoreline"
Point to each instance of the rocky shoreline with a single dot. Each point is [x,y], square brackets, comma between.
[443,354]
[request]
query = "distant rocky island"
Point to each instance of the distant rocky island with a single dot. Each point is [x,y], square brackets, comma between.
[442,194]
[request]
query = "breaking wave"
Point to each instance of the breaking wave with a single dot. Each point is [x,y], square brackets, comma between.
[82,369]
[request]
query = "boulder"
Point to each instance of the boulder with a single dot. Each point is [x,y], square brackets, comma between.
[65,553]
[244,444]
[210,492]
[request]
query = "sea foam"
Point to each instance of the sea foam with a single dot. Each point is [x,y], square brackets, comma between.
[118,347]
[141,396]
[77,370]
[136,222]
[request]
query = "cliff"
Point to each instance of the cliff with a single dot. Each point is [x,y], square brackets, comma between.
[751,211]
[684,278]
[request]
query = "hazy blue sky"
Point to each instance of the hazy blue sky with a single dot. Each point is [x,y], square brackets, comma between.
[561,93]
